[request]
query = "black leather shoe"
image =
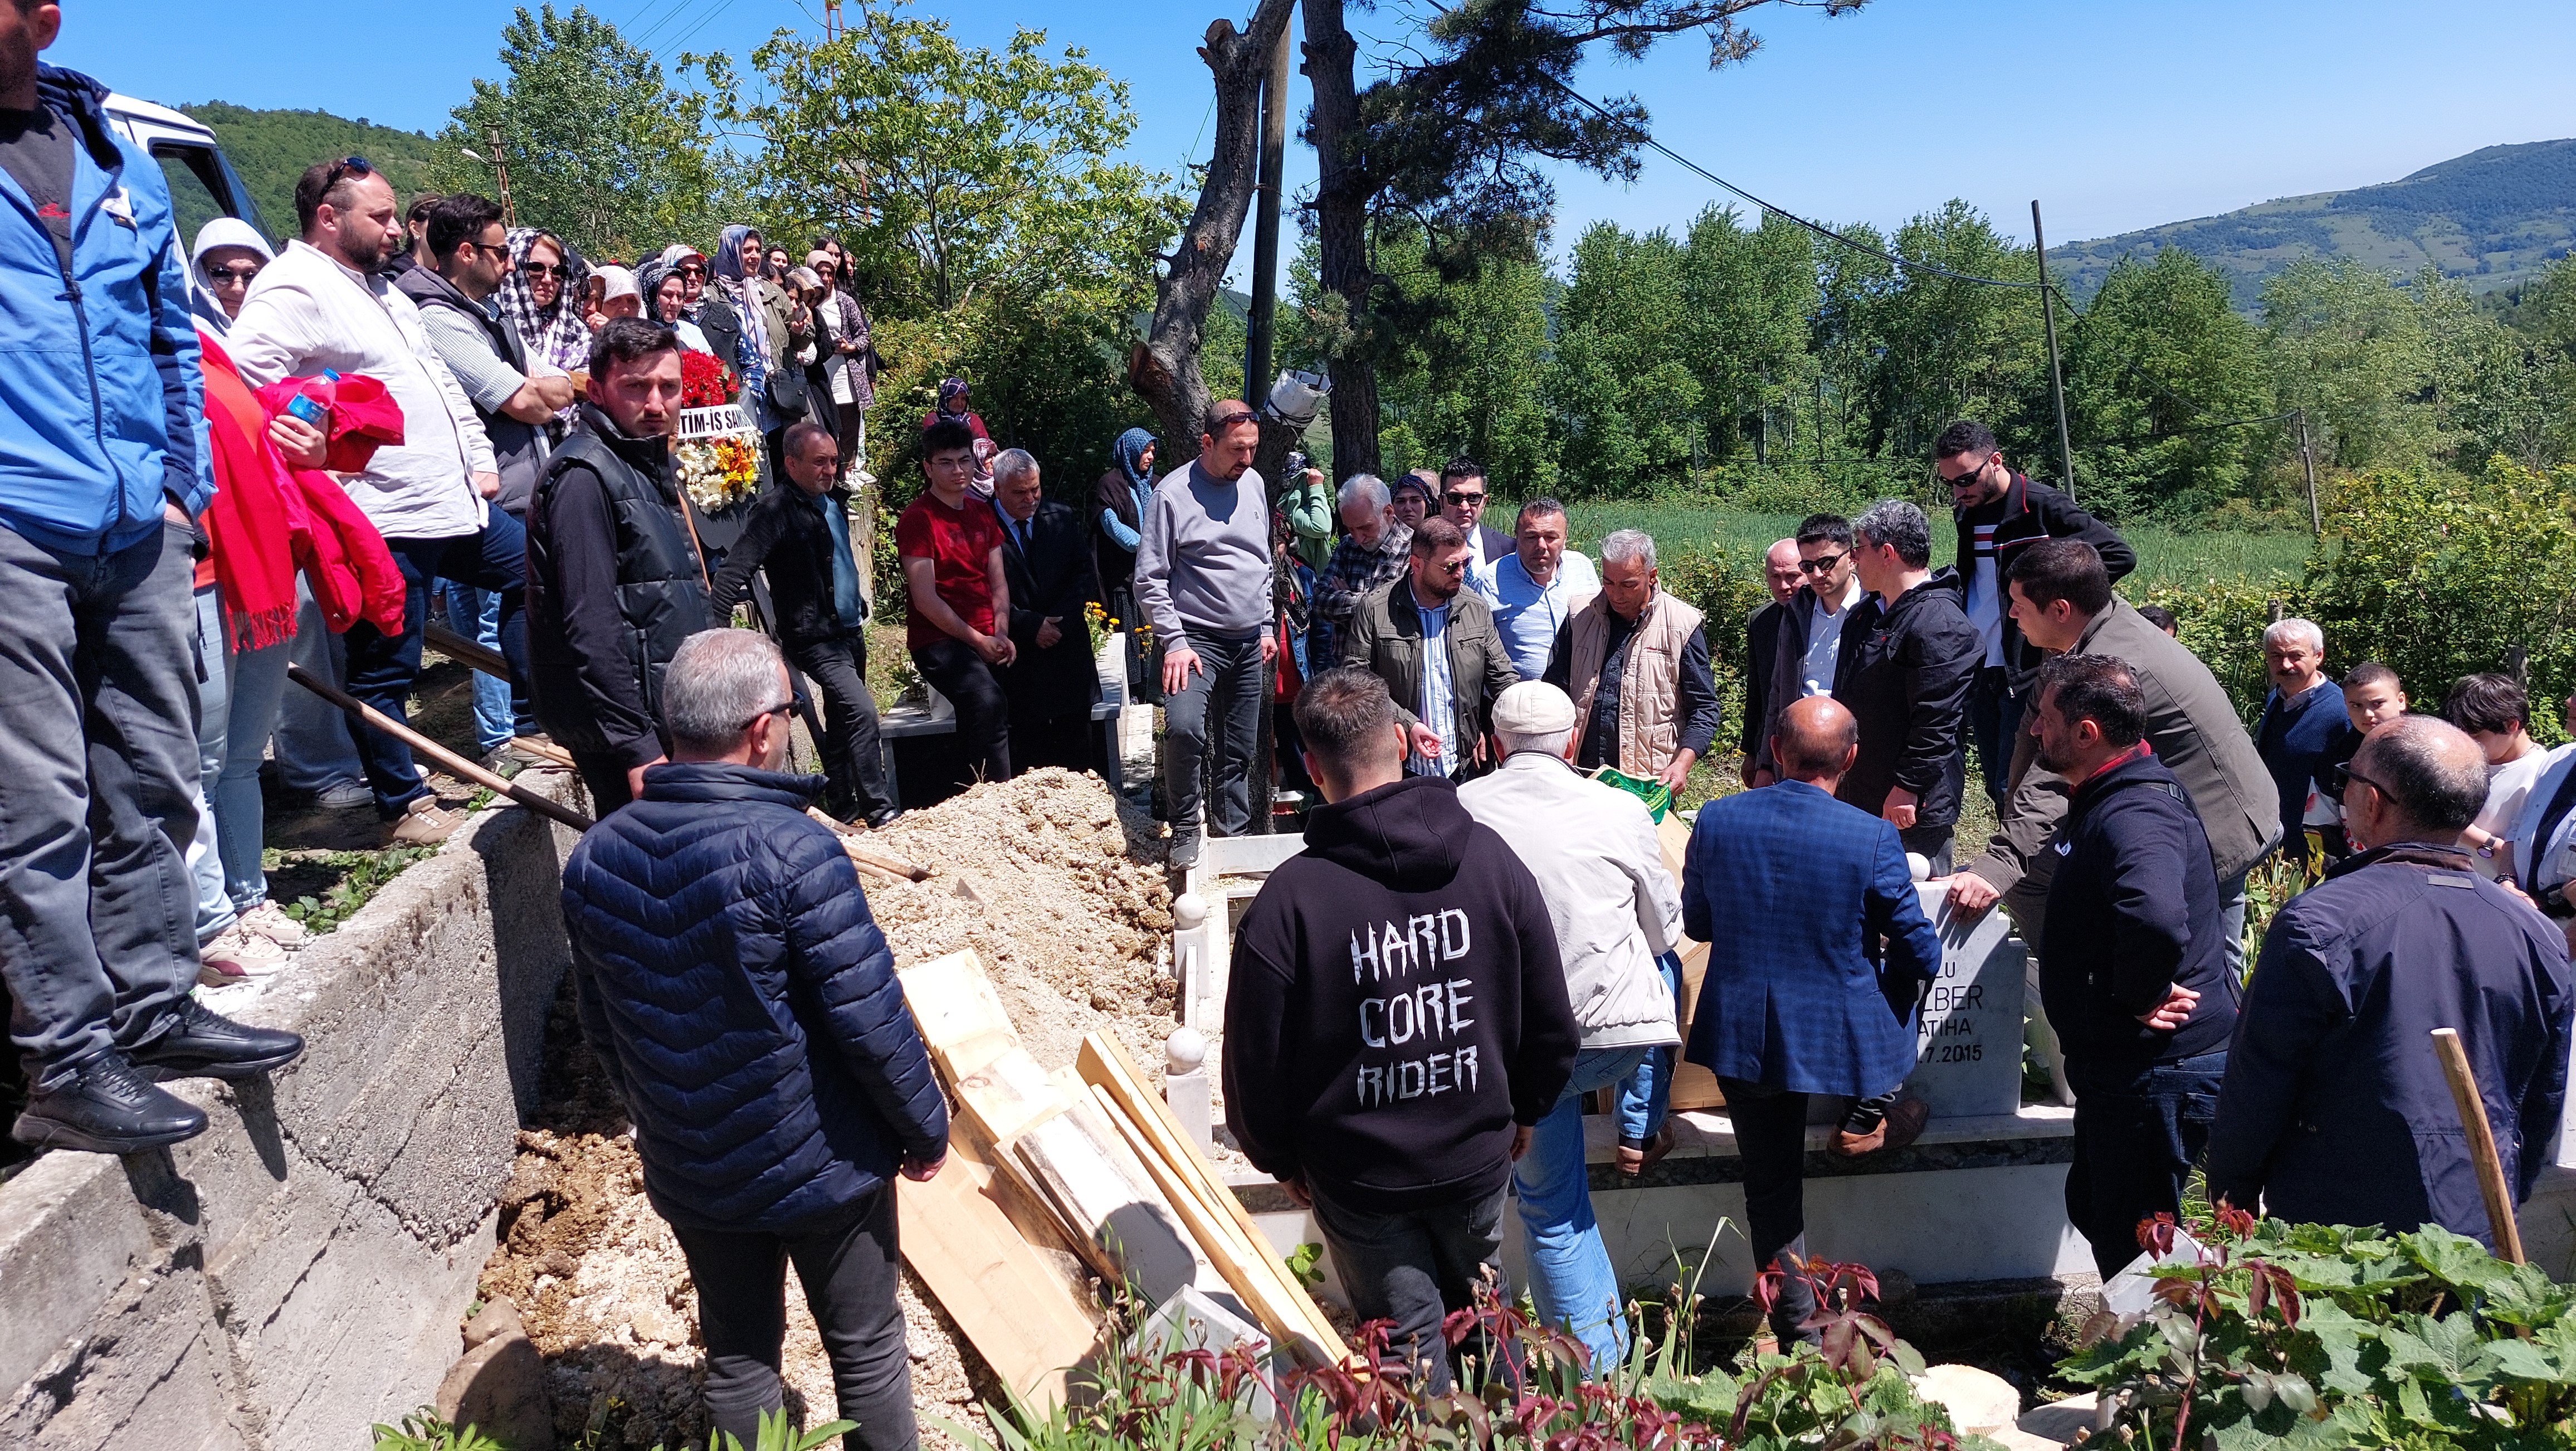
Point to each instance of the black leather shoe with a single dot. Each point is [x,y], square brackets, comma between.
[885,818]
[203,1044]
[103,1108]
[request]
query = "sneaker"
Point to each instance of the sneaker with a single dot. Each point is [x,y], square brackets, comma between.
[104,1107]
[198,1042]
[238,954]
[346,796]
[1185,850]
[424,824]
[270,921]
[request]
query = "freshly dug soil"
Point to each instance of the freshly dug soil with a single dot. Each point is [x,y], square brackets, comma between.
[1065,899]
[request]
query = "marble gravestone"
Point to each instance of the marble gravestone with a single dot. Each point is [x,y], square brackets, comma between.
[1969,1038]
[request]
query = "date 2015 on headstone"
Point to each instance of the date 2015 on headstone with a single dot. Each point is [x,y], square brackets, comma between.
[1969,1036]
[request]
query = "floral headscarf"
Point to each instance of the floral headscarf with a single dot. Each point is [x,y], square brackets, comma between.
[557,333]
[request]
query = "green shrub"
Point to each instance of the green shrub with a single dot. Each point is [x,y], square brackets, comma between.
[2325,1335]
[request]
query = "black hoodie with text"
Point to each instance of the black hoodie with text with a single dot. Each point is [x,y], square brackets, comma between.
[1395,1005]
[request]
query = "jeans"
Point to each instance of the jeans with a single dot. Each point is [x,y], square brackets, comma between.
[1569,1269]
[214,705]
[1646,1098]
[1994,719]
[1227,687]
[98,777]
[256,682]
[853,757]
[476,614]
[2137,1131]
[848,1269]
[983,710]
[314,751]
[1771,1135]
[383,668]
[1413,1267]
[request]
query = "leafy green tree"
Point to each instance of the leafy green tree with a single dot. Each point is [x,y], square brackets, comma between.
[2348,347]
[270,149]
[1467,380]
[1948,349]
[1621,384]
[599,149]
[1748,295]
[2157,358]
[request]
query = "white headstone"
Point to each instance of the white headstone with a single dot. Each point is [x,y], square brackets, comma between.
[1968,1054]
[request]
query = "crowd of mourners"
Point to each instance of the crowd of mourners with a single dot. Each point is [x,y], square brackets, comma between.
[224,461]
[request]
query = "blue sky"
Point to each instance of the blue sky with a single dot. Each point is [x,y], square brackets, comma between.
[2115,115]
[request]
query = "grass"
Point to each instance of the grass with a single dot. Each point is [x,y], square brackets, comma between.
[2165,555]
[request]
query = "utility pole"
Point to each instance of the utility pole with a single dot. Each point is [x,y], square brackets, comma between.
[2056,376]
[831,21]
[501,177]
[2308,461]
[1259,329]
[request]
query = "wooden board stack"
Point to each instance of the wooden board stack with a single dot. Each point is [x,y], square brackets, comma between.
[1084,1160]
[1693,1086]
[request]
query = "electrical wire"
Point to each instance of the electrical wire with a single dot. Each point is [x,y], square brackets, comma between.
[2163,434]
[1647,139]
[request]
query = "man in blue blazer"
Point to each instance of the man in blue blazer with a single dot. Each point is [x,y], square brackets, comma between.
[1794,891]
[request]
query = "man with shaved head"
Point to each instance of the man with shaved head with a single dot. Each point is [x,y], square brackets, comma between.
[2334,1108]
[1783,576]
[1794,892]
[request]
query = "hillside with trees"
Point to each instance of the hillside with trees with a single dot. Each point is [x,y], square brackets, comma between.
[270,149]
[2490,219]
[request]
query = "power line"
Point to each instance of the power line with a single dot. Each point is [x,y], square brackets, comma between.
[1647,139]
[2162,434]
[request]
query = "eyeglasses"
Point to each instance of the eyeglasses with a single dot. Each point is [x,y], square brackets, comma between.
[239,273]
[1822,565]
[1457,496]
[781,708]
[346,166]
[546,269]
[2344,775]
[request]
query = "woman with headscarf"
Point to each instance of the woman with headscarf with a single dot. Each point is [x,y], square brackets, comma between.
[666,295]
[1119,503]
[849,357]
[953,400]
[229,253]
[542,297]
[736,323]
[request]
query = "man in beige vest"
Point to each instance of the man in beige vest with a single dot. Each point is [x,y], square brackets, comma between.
[1635,662]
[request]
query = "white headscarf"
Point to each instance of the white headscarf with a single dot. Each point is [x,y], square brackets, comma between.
[221,232]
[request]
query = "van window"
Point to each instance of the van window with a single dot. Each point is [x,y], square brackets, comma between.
[202,188]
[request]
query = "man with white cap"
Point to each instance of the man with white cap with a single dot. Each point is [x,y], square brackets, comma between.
[1616,909]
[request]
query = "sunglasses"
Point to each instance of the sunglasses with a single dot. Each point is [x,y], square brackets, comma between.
[346,166]
[692,270]
[239,272]
[1219,425]
[1456,496]
[546,269]
[1969,479]
[1823,565]
[781,708]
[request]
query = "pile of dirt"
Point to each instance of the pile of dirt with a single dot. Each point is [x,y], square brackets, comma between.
[1062,892]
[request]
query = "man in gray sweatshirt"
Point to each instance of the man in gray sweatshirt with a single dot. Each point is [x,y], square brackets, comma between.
[1203,581]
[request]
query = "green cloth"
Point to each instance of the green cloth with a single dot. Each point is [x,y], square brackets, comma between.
[1309,508]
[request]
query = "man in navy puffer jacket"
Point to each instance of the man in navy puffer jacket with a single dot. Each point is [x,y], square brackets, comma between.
[745,1007]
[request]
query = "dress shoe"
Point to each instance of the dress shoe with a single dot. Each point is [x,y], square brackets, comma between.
[1902,1125]
[199,1043]
[104,1108]
[883,819]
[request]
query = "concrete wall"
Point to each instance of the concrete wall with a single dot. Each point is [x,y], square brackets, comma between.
[299,1270]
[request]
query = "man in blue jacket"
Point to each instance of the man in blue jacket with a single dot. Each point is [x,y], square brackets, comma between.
[103,470]
[2302,719]
[2335,1109]
[1795,892]
[2133,968]
[745,1008]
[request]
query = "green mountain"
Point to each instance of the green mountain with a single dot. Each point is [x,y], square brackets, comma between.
[2491,218]
[270,149]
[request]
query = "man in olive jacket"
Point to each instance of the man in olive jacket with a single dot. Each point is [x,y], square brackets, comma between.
[2061,599]
[1470,671]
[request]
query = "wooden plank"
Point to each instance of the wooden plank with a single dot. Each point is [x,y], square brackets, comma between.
[1012,1303]
[1693,1086]
[1078,1160]
[1009,1095]
[953,1001]
[1105,1066]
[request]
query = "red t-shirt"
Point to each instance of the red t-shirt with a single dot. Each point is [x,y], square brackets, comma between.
[960,544]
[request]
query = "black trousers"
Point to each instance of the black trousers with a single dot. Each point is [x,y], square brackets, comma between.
[848,1267]
[1059,740]
[605,775]
[853,759]
[1771,1134]
[983,708]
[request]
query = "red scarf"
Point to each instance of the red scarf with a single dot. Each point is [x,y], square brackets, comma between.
[257,522]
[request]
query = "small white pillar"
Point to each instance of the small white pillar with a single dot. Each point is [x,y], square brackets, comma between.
[1185,1084]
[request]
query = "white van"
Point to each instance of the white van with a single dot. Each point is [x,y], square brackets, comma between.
[202,183]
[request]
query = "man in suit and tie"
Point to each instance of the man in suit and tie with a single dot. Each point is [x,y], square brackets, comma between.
[1047,560]
[1794,892]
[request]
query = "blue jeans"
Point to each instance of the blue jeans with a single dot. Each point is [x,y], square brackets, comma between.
[238,699]
[383,668]
[314,752]
[2137,1131]
[1569,1269]
[476,614]
[214,702]
[1645,1100]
